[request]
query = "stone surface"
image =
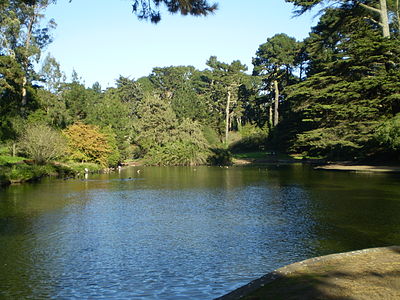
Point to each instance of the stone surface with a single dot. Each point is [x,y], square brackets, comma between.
[364,274]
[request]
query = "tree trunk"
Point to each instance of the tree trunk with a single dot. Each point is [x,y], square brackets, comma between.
[270,116]
[239,122]
[26,63]
[23,92]
[384,18]
[276,103]
[398,17]
[301,72]
[227,115]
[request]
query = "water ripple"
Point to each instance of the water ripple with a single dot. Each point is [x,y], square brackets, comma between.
[171,233]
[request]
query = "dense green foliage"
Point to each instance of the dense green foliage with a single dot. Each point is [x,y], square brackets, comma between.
[274,62]
[388,133]
[336,94]
[8,160]
[165,141]
[337,110]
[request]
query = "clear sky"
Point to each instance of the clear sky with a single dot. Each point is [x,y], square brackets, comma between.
[102,39]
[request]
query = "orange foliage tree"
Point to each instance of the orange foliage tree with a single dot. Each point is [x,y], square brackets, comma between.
[87,144]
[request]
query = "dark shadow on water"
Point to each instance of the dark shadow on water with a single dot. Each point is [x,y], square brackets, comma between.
[301,287]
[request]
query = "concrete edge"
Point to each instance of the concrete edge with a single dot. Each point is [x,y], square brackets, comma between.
[286,270]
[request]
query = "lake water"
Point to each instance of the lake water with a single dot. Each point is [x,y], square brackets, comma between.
[184,233]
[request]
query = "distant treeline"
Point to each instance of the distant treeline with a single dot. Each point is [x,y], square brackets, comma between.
[336,95]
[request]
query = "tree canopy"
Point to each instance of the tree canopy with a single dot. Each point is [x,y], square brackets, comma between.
[150,10]
[335,94]
[377,9]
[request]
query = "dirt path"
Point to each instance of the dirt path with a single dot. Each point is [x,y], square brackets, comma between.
[365,274]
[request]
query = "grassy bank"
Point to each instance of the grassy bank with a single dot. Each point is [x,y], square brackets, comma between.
[19,170]
[260,157]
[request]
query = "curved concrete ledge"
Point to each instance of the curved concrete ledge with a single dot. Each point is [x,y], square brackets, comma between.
[326,277]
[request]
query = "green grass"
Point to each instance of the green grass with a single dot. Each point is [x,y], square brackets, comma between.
[249,155]
[268,154]
[299,156]
[79,168]
[10,172]
[24,172]
[261,155]
[6,159]
[133,160]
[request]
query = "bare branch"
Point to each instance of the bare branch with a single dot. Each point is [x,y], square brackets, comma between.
[370,8]
[373,21]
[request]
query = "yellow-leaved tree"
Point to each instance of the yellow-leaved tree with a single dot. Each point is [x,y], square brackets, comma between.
[86,143]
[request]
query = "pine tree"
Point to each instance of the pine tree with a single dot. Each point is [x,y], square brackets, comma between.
[341,106]
[274,62]
[224,83]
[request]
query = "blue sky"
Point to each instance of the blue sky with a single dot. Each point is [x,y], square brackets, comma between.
[102,39]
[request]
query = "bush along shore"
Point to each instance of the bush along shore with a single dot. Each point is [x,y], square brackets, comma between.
[14,169]
[20,170]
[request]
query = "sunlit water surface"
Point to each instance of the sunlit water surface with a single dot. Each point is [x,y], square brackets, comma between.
[183,233]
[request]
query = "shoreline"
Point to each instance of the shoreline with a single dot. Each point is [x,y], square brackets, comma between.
[321,165]
[274,161]
[359,168]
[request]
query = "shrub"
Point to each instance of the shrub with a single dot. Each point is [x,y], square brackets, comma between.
[80,168]
[42,143]
[220,157]
[233,137]
[211,136]
[188,148]
[156,125]
[4,150]
[388,133]
[23,172]
[114,157]
[86,143]
[252,139]
[248,130]
[176,154]
[9,160]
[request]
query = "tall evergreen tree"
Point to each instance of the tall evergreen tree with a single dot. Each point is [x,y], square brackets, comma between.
[22,36]
[377,9]
[177,85]
[108,111]
[275,61]
[341,106]
[224,83]
[51,74]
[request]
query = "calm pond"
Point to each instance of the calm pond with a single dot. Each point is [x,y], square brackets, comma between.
[184,233]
